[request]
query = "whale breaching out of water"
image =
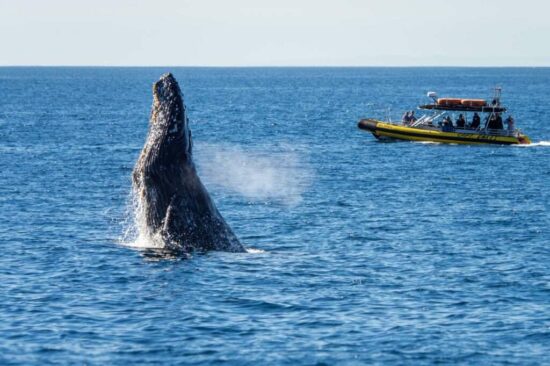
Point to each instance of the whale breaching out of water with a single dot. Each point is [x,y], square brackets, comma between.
[175,210]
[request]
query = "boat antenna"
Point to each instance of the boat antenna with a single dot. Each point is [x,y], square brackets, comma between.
[496,96]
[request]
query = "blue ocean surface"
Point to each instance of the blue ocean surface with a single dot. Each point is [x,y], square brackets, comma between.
[360,251]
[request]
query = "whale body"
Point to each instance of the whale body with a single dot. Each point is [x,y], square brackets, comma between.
[175,207]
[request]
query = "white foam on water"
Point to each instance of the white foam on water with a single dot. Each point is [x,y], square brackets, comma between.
[535,144]
[281,176]
[255,251]
[429,142]
[136,233]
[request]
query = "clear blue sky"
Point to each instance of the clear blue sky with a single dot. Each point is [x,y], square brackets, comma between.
[275,32]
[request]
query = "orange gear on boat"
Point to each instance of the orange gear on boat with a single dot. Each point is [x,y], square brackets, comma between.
[449,101]
[474,102]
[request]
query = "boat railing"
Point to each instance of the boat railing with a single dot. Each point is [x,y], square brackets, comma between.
[419,121]
[426,119]
[490,132]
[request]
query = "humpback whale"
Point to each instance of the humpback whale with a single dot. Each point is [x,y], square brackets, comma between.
[174,206]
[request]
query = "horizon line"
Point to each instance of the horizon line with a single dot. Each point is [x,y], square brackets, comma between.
[283,66]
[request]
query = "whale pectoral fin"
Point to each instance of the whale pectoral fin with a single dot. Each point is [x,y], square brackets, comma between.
[170,222]
[192,223]
[168,218]
[179,227]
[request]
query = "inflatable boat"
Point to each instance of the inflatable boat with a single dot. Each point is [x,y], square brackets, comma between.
[453,121]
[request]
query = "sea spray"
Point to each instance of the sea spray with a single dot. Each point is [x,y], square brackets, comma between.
[135,231]
[281,176]
[278,174]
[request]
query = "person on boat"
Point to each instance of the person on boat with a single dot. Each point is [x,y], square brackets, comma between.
[495,122]
[510,122]
[412,117]
[406,118]
[476,120]
[498,122]
[460,122]
[492,122]
[447,125]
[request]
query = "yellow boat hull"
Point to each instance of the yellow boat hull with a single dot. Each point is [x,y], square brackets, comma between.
[390,131]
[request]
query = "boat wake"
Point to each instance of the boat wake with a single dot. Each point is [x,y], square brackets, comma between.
[427,142]
[536,144]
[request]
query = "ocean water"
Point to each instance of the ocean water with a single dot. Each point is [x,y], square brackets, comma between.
[361,251]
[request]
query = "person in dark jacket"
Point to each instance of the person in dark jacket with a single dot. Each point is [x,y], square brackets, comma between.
[495,122]
[447,125]
[412,117]
[460,122]
[476,120]
[490,122]
[498,122]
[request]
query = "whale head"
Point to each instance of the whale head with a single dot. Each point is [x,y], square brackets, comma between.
[169,126]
